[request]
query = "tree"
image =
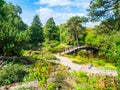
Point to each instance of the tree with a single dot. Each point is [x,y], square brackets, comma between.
[50,30]
[102,9]
[64,35]
[1,3]
[13,33]
[75,28]
[36,31]
[107,11]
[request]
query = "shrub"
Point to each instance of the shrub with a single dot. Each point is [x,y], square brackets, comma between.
[51,43]
[98,63]
[79,74]
[108,66]
[84,88]
[78,61]
[60,48]
[12,74]
[94,82]
[38,55]
[51,86]
[49,56]
[39,71]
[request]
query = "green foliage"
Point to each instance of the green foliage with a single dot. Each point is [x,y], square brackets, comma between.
[38,55]
[47,56]
[59,77]
[36,31]
[13,33]
[108,44]
[55,46]
[108,13]
[79,74]
[75,29]
[12,74]
[52,43]
[94,39]
[90,38]
[98,62]
[79,62]
[108,66]
[50,30]
[64,35]
[60,48]
[84,88]
[1,3]
[100,9]
[108,26]
[85,81]
[39,72]
[114,50]
[51,86]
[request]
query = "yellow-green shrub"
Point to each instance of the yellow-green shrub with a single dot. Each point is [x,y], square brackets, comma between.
[98,62]
[59,48]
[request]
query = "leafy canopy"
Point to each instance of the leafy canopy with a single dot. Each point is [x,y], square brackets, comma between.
[13,32]
[75,28]
[102,9]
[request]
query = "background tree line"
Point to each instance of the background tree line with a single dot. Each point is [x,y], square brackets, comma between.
[16,35]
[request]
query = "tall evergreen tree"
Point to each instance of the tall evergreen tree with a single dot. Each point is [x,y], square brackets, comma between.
[36,31]
[50,30]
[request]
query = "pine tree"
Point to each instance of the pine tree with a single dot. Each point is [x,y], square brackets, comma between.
[75,29]
[36,31]
[50,30]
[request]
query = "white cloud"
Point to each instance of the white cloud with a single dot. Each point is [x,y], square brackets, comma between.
[59,17]
[54,2]
[27,16]
[77,3]
[91,24]
[84,4]
[61,14]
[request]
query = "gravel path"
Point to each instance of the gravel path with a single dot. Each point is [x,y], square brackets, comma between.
[76,67]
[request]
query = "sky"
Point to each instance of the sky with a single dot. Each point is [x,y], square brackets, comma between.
[60,10]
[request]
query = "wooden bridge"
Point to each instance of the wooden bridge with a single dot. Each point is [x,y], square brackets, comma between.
[73,49]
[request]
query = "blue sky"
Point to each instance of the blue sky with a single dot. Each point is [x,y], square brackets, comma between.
[60,10]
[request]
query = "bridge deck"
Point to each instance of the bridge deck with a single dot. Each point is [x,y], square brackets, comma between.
[76,48]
